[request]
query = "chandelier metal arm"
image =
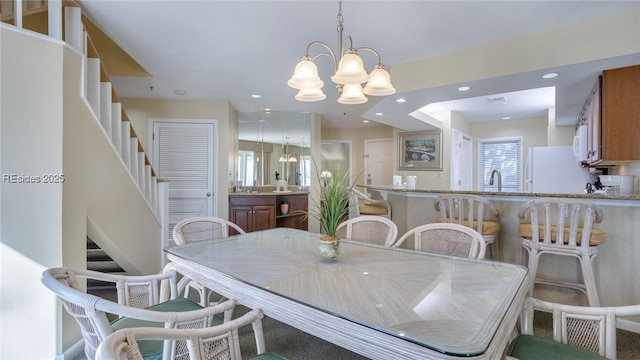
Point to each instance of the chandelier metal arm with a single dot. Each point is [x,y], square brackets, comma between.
[373,51]
[330,53]
[349,72]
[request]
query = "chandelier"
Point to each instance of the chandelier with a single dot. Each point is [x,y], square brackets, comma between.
[349,73]
[286,156]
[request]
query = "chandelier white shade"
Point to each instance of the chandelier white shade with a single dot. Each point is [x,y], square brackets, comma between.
[352,95]
[305,76]
[312,94]
[288,158]
[379,83]
[350,70]
[349,73]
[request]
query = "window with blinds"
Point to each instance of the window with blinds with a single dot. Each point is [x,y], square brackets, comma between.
[505,155]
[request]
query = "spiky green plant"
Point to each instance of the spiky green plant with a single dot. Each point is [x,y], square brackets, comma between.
[332,207]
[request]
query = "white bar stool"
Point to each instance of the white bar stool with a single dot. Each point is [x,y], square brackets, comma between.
[562,227]
[474,212]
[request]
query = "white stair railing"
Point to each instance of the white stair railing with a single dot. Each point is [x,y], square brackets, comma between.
[98,92]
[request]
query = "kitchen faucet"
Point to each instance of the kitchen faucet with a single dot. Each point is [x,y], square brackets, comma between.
[493,172]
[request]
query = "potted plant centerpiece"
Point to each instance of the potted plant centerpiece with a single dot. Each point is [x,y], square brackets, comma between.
[331,208]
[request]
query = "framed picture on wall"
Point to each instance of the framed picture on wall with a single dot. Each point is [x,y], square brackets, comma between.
[420,150]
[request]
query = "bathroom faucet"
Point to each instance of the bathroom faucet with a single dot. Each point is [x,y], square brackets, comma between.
[493,172]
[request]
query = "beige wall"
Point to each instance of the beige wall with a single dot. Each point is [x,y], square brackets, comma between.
[140,111]
[614,36]
[357,138]
[31,213]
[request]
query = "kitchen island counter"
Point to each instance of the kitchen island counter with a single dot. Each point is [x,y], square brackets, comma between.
[591,196]
[616,267]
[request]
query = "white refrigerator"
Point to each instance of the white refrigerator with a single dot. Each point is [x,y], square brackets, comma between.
[554,169]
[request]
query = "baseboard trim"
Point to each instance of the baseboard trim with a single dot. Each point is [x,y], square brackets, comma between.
[628,325]
[74,352]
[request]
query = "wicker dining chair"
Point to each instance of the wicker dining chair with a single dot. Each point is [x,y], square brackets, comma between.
[203,228]
[450,239]
[140,303]
[198,229]
[214,343]
[370,229]
[579,332]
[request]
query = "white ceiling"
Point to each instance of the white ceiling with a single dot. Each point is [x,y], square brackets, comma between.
[229,50]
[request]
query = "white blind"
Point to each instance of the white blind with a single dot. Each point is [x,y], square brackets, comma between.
[505,155]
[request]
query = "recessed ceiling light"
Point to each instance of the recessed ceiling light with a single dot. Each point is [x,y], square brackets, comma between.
[401,100]
[366,121]
[379,114]
[463,88]
[506,118]
[180,92]
[256,96]
[550,75]
[267,111]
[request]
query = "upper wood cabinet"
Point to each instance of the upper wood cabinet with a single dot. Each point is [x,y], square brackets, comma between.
[616,136]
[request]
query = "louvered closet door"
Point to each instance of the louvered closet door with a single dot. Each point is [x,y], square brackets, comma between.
[183,154]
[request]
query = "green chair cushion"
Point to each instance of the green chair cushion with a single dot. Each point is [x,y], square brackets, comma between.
[267,356]
[529,347]
[152,349]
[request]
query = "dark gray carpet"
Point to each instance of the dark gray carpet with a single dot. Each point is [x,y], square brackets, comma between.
[295,344]
[290,342]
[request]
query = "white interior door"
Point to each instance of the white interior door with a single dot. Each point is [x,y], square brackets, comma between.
[378,161]
[183,153]
[461,161]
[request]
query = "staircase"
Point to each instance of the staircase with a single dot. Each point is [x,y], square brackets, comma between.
[98,260]
[104,103]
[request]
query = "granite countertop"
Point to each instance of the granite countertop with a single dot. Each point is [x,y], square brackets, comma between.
[504,193]
[265,193]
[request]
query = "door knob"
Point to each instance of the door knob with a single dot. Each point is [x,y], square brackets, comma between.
[208,194]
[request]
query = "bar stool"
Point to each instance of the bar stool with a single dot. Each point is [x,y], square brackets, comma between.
[471,211]
[361,204]
[561,227]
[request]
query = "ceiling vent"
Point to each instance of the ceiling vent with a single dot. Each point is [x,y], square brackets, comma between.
[498,100]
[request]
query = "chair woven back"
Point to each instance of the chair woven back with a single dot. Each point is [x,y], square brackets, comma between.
[203,228]
[93,322]
[450,239]
[376,230]
[213,343]
[137,297]
[591,328]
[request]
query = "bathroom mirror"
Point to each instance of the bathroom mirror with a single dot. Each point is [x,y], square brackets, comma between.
[273,145]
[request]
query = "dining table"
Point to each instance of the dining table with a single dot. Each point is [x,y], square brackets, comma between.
[379,302]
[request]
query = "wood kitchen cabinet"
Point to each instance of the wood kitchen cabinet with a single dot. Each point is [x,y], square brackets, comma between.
[613,116]
[252,213]
[255,212]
